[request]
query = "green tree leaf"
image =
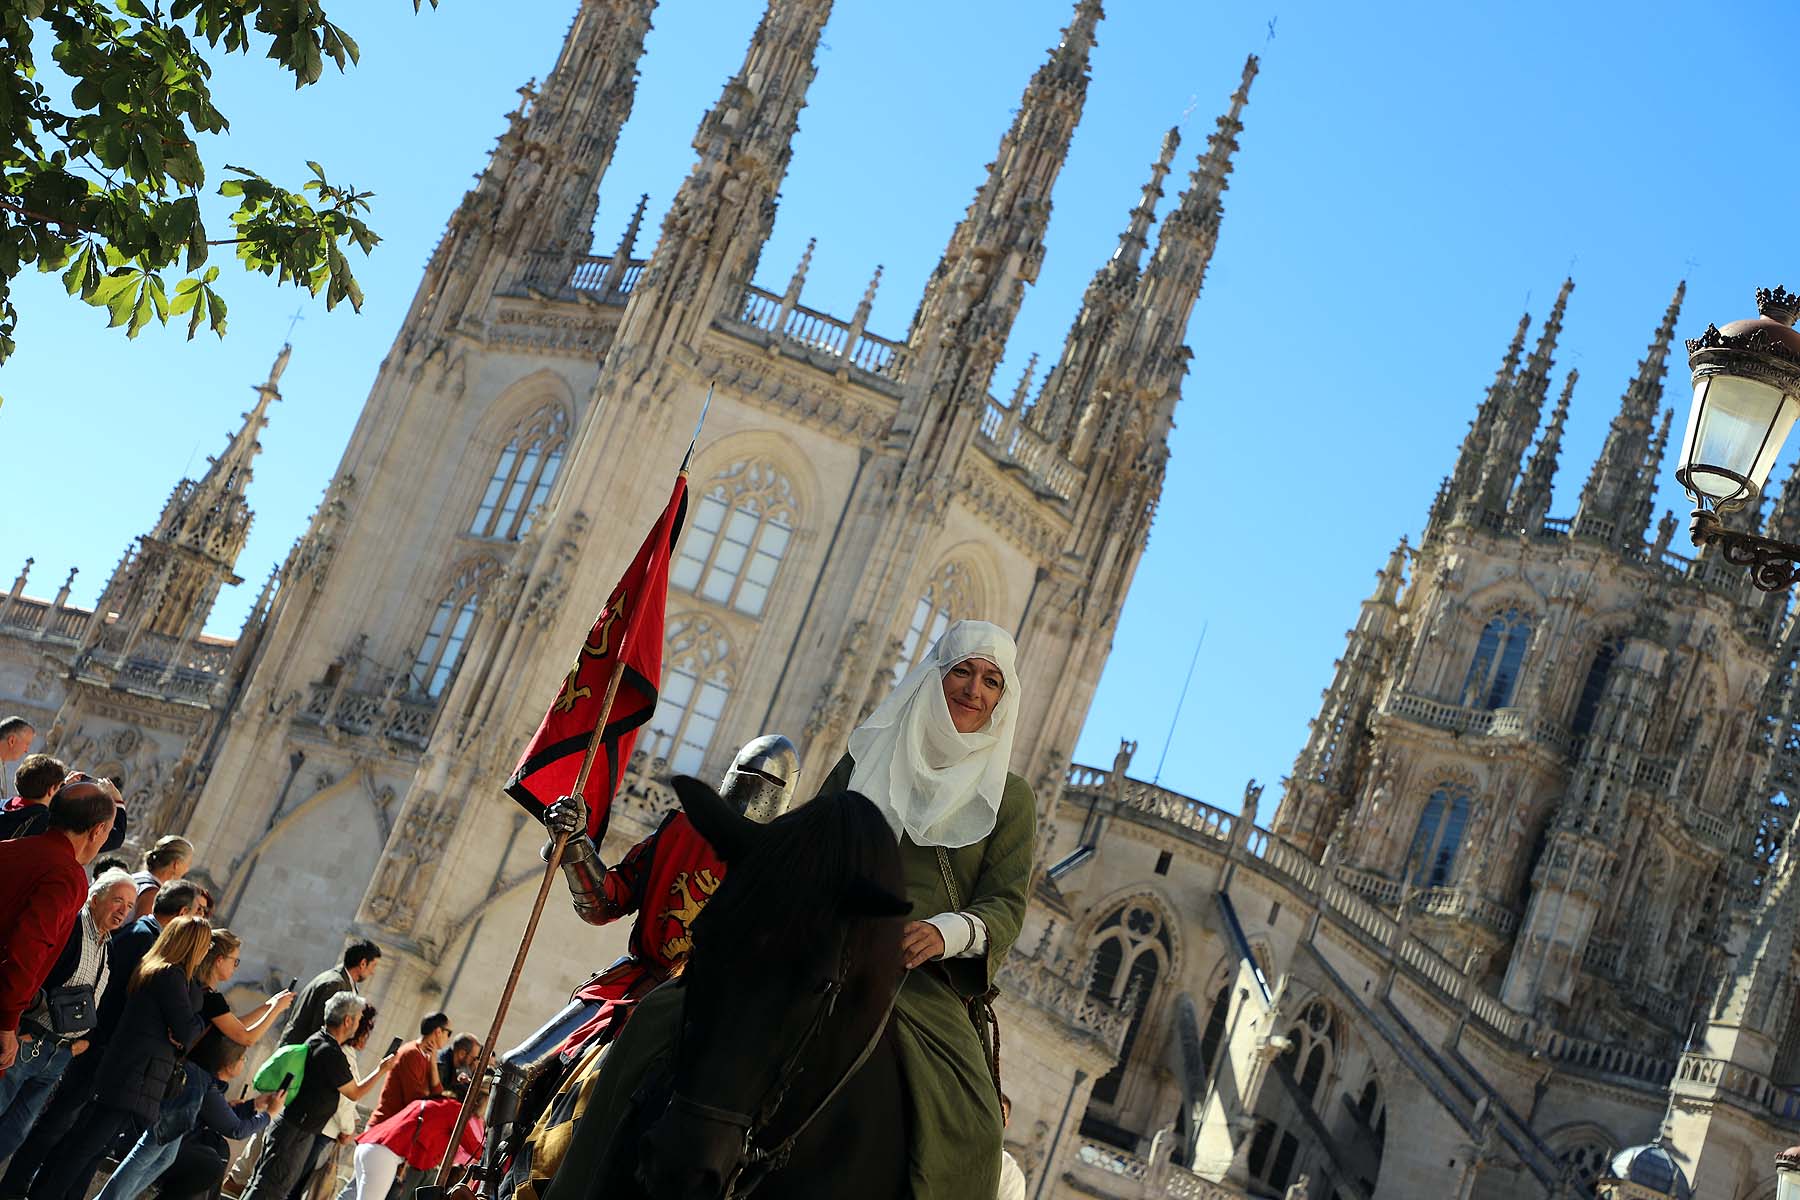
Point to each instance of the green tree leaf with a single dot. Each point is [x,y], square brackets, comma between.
[102,181]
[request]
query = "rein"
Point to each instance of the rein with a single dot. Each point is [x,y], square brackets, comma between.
[755,1163]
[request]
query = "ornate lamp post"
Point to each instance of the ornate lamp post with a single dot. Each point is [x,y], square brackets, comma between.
[1746,399]
[1787,1174]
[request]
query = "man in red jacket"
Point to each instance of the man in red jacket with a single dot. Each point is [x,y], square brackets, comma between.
[42,889]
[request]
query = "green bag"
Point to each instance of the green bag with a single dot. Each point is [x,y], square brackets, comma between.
[285,1060]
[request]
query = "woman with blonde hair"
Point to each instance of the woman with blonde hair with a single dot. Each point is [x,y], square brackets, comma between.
[222,958]
[167,860]
[143,1061]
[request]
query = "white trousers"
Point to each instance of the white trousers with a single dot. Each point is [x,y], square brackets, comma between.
[376,1169]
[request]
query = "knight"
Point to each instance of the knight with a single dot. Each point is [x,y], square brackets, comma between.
[540,1085]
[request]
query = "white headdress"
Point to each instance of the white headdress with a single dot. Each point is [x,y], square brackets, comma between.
[938,785]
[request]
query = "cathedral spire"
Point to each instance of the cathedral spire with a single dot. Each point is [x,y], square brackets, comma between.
[1465,477]
[1139,379]
[959,333]
[621,260]
[1611,509]
[212,518]
[1101,304]
[529,218]
[998,246]
[167,583]
[1516,420]
[714,232]
[1531,499]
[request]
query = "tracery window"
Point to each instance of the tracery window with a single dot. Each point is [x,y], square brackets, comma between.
[448,634]
[948,597]
[523,476]
[1494,673]
[1432,859]
[1594,686]
[1586,1160]
[696,683]
[1131,950]
[740,529]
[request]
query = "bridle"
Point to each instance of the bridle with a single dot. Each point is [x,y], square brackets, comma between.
[755,1163]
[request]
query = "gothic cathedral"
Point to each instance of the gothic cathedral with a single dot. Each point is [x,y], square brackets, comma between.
[1520,905]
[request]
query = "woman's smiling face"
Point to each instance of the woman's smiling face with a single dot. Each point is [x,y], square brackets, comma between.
[971,689]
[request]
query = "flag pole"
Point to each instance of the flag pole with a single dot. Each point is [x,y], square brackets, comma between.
[557,845]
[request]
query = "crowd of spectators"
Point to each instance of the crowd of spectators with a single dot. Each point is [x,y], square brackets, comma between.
[118,1042]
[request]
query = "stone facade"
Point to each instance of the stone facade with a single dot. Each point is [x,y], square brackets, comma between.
[1520,904]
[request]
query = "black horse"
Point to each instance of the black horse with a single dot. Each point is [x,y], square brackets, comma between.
[785,1080]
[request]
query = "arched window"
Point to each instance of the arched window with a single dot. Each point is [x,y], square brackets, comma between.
[1431,861]
[1315,1071]
[1594,686]
[1586,1158]
[696,683]
[523,476]
[1130,950]
[948,597]
[1494,673]
[1771,827]
[740,530]
[448,634]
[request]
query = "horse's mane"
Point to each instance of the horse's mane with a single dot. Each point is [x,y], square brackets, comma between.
[787,892]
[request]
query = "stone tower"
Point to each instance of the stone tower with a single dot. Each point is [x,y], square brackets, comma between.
[852,494]
[1544,745]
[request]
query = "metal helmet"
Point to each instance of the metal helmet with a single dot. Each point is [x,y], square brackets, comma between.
[761,780]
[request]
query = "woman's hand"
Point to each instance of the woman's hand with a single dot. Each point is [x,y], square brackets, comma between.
[920,942]
[281,1000]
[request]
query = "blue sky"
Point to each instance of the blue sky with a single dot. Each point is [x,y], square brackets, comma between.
[1412,177]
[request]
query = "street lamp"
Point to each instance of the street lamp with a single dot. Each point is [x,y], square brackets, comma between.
[1787,1174]
[1746,399]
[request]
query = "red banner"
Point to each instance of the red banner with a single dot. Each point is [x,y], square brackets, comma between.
[629,630]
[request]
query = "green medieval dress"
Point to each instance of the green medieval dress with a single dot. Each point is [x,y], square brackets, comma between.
[956,1126]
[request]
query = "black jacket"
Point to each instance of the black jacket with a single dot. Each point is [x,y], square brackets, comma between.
[160,1024]
[308,1014]
[125,949]
[35,818]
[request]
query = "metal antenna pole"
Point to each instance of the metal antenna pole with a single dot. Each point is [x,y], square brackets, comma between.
[1178,703]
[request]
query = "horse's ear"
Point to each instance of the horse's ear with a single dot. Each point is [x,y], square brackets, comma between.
[866,898]
[731,834]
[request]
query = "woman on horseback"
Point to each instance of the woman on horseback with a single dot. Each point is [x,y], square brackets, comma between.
[932,759]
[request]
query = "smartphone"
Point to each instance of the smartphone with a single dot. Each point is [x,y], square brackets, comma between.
[287,1081]
[393,1048]
[293,983]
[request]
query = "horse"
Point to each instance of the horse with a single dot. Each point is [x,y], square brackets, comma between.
[784,1080]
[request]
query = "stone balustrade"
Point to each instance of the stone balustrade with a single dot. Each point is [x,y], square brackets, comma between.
[1017,445]
[1345,896]
[1698,1073]
[767,314]
[406,720]
[1611,1060]
[1028,979]
[590,278]
[1482,722]
[1116,1173]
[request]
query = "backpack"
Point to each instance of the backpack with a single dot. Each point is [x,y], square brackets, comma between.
[286,1060]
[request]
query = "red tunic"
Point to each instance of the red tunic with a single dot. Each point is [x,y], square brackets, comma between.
[666,879]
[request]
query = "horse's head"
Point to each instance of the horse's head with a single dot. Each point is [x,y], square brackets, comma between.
[795,963]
